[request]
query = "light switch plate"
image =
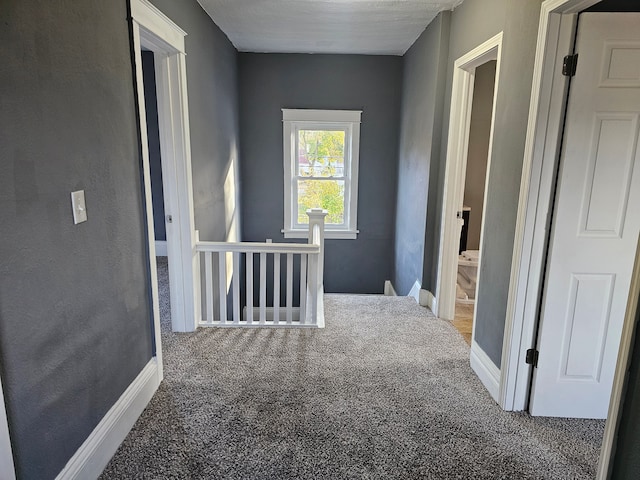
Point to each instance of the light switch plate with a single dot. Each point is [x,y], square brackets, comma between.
[79,207]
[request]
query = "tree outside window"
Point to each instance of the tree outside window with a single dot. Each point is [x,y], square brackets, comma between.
[321,173]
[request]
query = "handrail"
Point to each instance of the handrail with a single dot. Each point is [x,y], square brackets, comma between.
[258,247]
[230,266]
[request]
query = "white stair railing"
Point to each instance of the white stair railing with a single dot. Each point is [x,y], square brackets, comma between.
[292,264]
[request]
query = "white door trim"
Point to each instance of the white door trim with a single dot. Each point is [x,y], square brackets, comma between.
[7,469]
[456,162]
[154,31]
[546,118]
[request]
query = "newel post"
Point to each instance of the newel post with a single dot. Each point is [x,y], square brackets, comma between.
[316,217]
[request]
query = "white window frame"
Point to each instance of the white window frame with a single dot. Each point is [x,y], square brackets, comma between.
[348,121]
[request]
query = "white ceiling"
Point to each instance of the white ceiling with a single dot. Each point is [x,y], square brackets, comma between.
[381,27]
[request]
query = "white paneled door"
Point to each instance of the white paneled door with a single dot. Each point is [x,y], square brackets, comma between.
[595,225]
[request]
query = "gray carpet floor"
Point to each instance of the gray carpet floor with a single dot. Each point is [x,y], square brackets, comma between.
[385,391]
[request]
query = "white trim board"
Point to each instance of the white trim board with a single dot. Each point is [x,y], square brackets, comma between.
[152,30]
[96,451]
[7,469]
[486,370]
[455,168]
[161,248]
[415,291]
[168,34]
[426,299]
[389,290]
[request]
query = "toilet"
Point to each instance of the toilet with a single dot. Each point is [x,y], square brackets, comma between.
[467,275]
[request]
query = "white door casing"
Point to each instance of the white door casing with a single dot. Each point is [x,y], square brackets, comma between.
[455,168]
[556,34]
[154,31]
[595,227]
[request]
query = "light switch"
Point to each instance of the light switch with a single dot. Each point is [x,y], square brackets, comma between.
[79,207]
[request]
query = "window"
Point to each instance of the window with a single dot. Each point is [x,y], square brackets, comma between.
[321,170]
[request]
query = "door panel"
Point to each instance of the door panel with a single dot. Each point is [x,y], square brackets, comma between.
[609,171]
[595,224]
[586,326]
[621,64]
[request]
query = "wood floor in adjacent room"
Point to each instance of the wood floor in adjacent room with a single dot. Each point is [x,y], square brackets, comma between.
[463,320]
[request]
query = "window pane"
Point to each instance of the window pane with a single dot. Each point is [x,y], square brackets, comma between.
[327,194]
[321,153]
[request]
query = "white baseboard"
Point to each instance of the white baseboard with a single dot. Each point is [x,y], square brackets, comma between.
[415,291]
[389,291]
[486,370]
[426,299]
[96,451]
[161,248]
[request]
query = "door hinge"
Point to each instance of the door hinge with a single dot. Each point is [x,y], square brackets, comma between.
[569,65]
[532,357]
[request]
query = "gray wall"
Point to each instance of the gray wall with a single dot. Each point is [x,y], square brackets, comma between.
[74,306]
[479,134]
[213,112]
[512,110]
[469,25]
[153,141]
[270,82]
[472,23]
[424,74]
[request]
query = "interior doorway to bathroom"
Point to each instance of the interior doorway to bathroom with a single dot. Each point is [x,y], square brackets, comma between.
[474,182]
[476,79]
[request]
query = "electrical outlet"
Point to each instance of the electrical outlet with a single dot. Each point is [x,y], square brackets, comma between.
[79,207]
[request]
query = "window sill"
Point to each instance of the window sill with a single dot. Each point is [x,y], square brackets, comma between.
[328,234]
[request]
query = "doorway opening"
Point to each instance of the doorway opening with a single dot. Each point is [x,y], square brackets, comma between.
[155,154]
[474,181]
[160,219]
[161,41]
